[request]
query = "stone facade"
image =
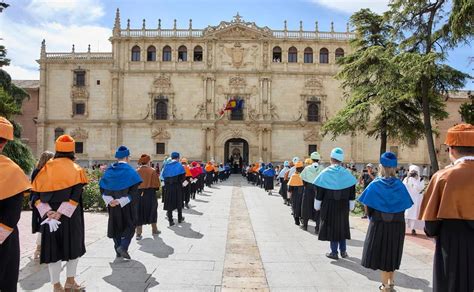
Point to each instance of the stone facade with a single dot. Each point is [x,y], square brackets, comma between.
[148,74]
[29,112]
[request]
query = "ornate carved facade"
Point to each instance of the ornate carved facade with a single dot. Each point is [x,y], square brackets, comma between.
[168,87]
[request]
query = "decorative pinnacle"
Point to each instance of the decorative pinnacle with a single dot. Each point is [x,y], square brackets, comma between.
[190,24]
[128,23]
[159,23]
[348,29]
[174,24]
[301,25]
[237,18]
[117,20]
[316,26]
[143,25]
[73,48]
[332,26]
[43,46]
[285,27]
[89,48]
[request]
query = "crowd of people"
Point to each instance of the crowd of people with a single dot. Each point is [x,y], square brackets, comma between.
[394,199]
[325,195]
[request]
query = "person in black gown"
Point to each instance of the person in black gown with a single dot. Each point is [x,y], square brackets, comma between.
[335,197]
[13,186]
[448,211]
[295,191]
[174,176]
[386,199]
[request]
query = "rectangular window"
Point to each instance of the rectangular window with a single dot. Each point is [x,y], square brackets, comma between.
[166,56]
[308,58]
[292,58]
[79,147]
[160,148]
[80,78]
[151,55]
[312,148]
[182,56]
[237,115]
[79,108]
[98,82]
[197,56]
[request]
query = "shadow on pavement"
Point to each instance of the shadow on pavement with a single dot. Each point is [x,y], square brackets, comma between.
[184,230]
[355,243]
[38,276]
[156,246]
[401,279]
[128,278]
[201,201]
[192,212]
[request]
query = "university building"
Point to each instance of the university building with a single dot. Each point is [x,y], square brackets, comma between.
[164,89]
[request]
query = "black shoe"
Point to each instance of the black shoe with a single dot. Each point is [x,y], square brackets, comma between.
[413,232]
[344,254]
[187,206]
[171,223]
[297,222]
[316,230]
[123,253]
[181,220]
[304,227]
[333,256]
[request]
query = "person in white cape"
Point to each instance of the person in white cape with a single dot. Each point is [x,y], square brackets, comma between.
[415,185]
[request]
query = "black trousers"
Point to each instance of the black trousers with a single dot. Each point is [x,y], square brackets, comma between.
[169,213]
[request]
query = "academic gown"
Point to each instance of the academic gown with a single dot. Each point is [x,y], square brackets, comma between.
[386,200]
[268,176]
[174,175]
[120,180]
[283,183]
[61,181]
[35,216]
[13,184]
[448,211]
[147,201]
[296,187]
[308,175]
[335,187]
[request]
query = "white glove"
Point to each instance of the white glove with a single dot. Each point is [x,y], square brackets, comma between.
[352,205]
[124,201]
[53,224]
[317,205]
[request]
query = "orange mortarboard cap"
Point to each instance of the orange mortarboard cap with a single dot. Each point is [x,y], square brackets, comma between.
[6,129]
[299,164]
[460,135]
[65,143]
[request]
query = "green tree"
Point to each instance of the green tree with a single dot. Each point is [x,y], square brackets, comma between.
[375,99]
[466,110]
[426,29]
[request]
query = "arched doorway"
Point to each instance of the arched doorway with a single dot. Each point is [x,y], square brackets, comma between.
[236,153]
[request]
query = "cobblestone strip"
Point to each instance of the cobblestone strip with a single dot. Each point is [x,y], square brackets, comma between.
[243,267]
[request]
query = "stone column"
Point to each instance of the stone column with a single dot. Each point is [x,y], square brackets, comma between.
[42,112]
[269,145]
[260,143]
[204,145]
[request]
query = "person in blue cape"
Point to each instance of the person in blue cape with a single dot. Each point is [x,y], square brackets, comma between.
[284,183]
[308,175]
[268,177]
[386,199]
[335,197]
[119,189]
[260,175]
[174,175]
[162,180]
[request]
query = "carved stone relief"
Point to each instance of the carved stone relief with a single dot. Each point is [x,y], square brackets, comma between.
[160,134]
[79,134]
[79,92]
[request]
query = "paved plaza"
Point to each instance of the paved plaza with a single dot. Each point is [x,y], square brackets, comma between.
[236,237]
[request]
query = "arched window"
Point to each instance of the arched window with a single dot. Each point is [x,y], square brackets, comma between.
[324,56]
[58,132]
[308,55]
[151,53]
[197,54]
[277,54]
[339,53]
[167,54]
[136,53]
[161,110]
[313,112]
[182,54]
[292,55]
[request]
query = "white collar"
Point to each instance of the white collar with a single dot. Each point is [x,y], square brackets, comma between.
[462,159]
[122,162]
[315,164]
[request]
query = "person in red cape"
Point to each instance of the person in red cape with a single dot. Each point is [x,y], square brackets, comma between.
[59,185]
[448,211]
[13,186]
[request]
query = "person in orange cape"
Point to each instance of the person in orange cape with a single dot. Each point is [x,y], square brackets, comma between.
[448,211]
[13,186]
[216,173]
[147,201]
[187,183]
[209,173]
[59,185]
[296,189]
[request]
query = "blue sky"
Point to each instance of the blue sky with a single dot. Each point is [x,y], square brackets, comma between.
[81,22]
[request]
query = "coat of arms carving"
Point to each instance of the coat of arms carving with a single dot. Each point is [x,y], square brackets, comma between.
[79,134]
[160,134]
[162,82]
[79,92]
[237,82]
[312,135]
[237,54]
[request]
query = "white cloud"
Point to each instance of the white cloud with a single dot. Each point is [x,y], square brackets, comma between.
[72,11]
[23,39]
[351,6]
